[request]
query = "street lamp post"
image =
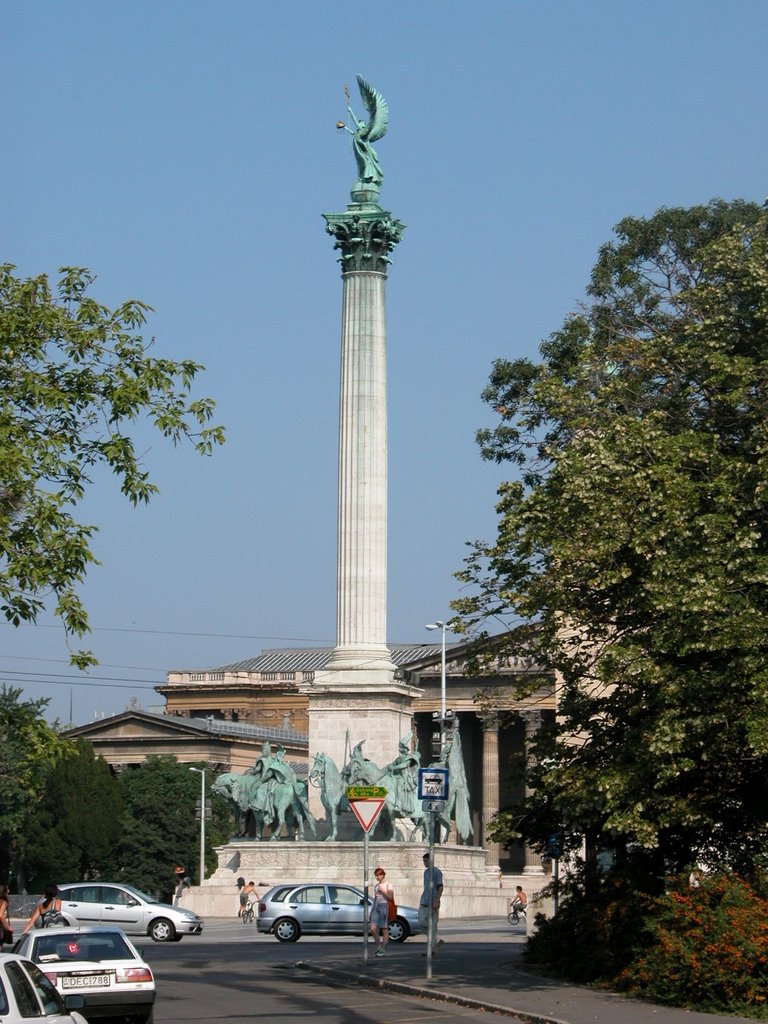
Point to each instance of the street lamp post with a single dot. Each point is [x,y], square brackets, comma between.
[201,773]
[442,627]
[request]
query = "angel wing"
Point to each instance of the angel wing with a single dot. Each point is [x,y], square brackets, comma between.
[378,111]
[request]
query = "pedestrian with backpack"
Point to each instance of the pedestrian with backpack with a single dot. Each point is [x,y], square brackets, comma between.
[47,913]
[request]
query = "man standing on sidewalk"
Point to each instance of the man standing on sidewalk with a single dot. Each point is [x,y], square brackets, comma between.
[431,893]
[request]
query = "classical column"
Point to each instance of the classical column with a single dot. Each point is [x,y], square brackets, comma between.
[490,723]
[366,235]
[360,697]
[532,721]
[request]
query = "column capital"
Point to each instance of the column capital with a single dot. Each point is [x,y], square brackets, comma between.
[365,234]
[532,718]
[490,720]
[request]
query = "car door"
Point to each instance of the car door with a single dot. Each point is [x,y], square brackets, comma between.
[81,904]
[309,905]
[346,909]
[121,909]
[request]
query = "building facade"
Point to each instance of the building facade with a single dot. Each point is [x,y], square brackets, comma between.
[272,691]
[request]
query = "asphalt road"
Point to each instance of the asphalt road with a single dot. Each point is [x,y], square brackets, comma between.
[231,973]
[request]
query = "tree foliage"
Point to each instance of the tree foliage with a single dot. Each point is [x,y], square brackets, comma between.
[75,377]
[634,538]
[30,749]
[77,823]
[159,826]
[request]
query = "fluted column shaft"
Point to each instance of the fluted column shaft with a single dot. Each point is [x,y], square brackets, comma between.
[361,622]
[490,785]
[365,235]
[532,721]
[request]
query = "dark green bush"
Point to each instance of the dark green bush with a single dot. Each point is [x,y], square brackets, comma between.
[595,934]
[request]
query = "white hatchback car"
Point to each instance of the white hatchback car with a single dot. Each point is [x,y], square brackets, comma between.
[26,992]
[98,963]
[131,910]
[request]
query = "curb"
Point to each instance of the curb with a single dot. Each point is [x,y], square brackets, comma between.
[427,993]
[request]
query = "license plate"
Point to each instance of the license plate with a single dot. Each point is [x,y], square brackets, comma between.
[85,981]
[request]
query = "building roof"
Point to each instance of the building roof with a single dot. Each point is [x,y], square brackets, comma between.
[190,725]
[310,659]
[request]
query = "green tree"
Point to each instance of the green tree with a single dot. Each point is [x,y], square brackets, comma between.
[634,540]
[75,377]
[78,822]
[160,829]
[29,749]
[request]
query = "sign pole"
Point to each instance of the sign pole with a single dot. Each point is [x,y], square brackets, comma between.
[431,894]
[433,793]
[365,894]
[366,803]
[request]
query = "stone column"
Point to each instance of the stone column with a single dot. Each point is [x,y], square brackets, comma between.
[358,697]
[366,235]
[490,723]
[532,721]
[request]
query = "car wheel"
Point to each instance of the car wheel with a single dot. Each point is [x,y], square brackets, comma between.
[161,930]
[287,930]
[398,930]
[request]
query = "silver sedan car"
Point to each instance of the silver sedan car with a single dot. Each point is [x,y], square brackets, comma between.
[324,908]
[100,964]
[129,909]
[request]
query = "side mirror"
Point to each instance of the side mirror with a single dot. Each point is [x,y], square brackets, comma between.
[74,1002]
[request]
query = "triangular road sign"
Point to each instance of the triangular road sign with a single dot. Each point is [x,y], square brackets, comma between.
[366,812]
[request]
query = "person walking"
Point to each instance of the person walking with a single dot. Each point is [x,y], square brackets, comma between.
[383,900]
[47,911]
[6,933]
[431,895]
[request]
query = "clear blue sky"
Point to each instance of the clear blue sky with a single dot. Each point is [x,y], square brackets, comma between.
[185,152]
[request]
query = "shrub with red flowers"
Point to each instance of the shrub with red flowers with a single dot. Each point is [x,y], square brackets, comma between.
[708,948]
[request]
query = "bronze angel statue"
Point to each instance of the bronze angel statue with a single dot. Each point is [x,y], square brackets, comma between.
[369,171]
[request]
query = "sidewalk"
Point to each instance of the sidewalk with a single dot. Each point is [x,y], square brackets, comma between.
[491,975]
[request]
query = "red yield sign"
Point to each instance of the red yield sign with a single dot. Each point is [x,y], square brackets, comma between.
[366,803]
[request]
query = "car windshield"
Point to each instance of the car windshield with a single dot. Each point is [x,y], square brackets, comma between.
[104,946]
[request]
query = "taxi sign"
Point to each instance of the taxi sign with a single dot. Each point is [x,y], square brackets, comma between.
[366,792]
[433,784]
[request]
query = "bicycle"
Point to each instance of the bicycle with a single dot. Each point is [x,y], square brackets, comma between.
[248,913]
[517,914]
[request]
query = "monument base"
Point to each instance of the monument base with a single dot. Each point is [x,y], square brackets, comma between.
[348,706]
[471,887]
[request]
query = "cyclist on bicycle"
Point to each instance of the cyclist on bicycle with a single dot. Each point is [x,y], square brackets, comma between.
[245,892]
[520,901]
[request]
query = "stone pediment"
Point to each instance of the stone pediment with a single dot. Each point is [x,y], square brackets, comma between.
[138,725]
[462,663]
